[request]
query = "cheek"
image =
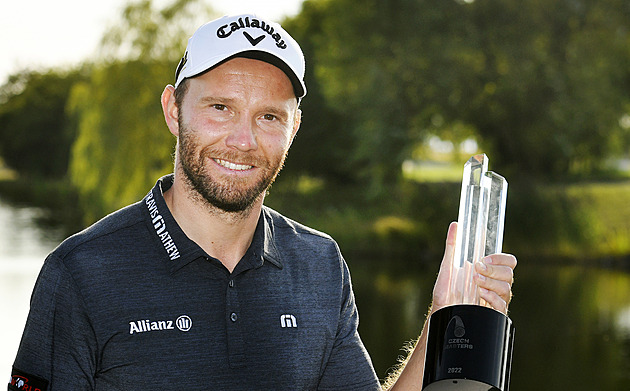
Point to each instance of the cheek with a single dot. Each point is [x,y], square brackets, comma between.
[205,132]
[278,145]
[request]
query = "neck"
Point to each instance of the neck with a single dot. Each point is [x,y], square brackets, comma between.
[225,236]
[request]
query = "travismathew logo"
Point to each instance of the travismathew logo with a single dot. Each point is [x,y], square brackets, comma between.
[227,30]
[288,320]
[160,228]
[183,323]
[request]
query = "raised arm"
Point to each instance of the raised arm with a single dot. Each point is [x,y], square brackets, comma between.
[494,276]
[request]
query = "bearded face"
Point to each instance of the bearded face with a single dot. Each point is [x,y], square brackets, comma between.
[234,125]
[230,194]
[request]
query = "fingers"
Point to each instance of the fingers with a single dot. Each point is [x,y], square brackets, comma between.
[494,277]
[449,249]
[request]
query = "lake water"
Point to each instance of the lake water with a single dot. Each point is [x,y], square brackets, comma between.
[572,322]
[23,247]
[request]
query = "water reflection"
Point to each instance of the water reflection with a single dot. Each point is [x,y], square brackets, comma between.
[569,320]
[572,323]
[23,247]
[21,237]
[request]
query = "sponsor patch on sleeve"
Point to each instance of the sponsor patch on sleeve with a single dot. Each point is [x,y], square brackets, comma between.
[24,381]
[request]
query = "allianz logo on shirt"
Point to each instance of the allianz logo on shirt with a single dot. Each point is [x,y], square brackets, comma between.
[183,323]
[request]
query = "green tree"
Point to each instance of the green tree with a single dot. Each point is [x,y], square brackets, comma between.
[324,143]
[381,64]
[554,83]
[543,84]
[35,132]
[123,145]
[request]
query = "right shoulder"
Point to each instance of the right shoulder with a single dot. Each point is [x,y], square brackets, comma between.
[110,229]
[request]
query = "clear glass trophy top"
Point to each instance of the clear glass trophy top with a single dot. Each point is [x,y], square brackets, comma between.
[479,226]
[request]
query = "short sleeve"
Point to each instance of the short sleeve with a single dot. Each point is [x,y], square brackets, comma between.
[58,346]
[349,366]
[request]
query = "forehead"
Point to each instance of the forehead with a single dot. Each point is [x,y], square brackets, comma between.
[246,76]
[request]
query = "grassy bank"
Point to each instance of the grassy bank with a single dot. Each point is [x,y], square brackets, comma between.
[585,222]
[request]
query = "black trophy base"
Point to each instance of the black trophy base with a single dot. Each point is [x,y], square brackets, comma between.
[450,384]
[469,348]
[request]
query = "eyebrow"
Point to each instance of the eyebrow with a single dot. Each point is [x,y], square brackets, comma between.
[279,112]
[214,99]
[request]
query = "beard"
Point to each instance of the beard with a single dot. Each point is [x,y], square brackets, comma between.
[231,195]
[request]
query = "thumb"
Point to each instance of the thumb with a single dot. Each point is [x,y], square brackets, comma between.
[443,282]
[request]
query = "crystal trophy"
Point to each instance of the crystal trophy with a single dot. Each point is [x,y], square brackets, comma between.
[469,346]
[479,226]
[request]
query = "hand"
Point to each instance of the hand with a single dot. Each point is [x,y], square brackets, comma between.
[494,276]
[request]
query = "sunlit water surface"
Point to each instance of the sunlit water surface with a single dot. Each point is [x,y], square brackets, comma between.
[23,247]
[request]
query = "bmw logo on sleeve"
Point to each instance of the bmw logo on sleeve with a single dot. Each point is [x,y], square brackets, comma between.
[25,381]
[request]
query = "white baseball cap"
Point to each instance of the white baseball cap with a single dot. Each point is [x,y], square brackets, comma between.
[243,36]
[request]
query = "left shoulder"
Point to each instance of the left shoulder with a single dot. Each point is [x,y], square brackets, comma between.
[289,226]
[292,237]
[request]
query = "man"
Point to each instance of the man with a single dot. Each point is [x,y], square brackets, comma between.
[199,286]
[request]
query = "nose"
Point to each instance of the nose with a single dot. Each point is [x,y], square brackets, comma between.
[242,136]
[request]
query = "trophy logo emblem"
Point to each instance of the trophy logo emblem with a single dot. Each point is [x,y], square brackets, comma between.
[459,330]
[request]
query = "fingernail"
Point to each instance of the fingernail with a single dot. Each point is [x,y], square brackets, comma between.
[482,265]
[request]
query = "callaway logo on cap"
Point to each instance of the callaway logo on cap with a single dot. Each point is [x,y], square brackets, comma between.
[243,36]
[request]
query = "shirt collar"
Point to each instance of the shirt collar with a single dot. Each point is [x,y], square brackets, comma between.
[179,250]
[270,251]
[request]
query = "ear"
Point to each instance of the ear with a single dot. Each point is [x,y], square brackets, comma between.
[170,109]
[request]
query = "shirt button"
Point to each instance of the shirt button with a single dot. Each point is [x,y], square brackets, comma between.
[231,284]
[233,317]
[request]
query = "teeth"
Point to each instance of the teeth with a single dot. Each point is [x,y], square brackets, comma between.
[232,166]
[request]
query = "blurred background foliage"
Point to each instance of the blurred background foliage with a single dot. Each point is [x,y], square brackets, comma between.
[541,86]
[121,146]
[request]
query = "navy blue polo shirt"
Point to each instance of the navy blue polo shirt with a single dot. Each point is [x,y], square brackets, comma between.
[133,303]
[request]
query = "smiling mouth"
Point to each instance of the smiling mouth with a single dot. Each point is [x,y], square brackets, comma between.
[233,166]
